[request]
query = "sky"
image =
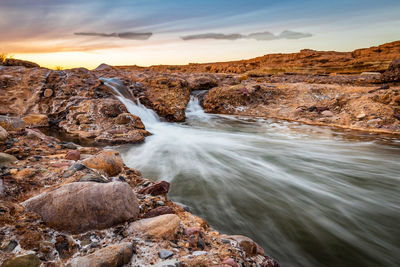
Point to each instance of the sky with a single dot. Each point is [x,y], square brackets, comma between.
[76,33]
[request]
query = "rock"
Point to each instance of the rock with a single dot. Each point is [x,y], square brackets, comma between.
[127,118]
[163,226]
[68,145]
[94,178]
[361,116]
[248,245]
[230,262]
[36,120]
[64,246]
[392,74]
[73,155]
[111,256]
[29,260]
[48,93]
[159,188]
[165,254]
[25,173]
[6,159]
[10,247]
[192,231]
[159,211]
[327,113]
[3,134]
[18,62]
[79,207]
[108,160]
[11,123]
[204,82]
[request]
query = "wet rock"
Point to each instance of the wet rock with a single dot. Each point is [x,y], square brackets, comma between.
[78,207]
[29,260]
[94,178]
[6,159]
[36,120]
[19,62]
[111,256]
[74,168]
[108,161]
[159,188]
[163,226]
[127,118]
[10,247]
[11,123]
[3,134]
[165,254]
[248,245]
[73,155]
[159,211]
[392,74]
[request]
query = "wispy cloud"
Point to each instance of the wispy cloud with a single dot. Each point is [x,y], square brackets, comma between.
[123,35]
[259,36]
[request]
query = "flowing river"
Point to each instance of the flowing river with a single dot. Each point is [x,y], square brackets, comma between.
[309,195]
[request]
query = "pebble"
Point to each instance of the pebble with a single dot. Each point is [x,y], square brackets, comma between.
[165,254]
[199,253]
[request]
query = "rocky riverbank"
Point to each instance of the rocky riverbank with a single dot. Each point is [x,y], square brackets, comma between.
[77,204]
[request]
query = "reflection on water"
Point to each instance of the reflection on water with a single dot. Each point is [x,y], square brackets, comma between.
[311,196]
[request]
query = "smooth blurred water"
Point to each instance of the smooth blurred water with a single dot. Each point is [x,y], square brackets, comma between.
[311,196]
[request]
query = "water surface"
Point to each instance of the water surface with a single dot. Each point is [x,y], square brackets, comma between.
[310,195]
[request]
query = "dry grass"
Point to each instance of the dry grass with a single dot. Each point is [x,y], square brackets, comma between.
[59,68]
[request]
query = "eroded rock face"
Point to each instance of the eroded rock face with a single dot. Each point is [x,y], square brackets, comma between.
[163,226]
[111,256]
[108,161]
[392,74]
[78,207]
[74,100]
[166,95]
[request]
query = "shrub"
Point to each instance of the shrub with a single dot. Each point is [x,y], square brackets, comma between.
[59,68]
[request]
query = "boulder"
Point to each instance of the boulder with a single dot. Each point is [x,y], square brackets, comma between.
[248,245]
[160,227]
[108,161]
[11,123]
[6,159]
[73,155]
[161,210]
[79,207]
[36,120]
[111,256]
[29,260]
[3,134]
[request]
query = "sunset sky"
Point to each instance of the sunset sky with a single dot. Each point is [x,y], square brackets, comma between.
[77,33]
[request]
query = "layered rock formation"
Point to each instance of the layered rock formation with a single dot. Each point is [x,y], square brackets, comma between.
[306,62]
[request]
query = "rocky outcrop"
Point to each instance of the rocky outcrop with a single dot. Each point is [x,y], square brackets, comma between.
[166,95]
[74,100]
[78,207]
[306,61]
[392,74]
[19,62]
[368,108]
[111,256]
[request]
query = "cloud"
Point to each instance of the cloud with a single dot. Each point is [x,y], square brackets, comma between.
[218,36]
[259,36]
[123,35]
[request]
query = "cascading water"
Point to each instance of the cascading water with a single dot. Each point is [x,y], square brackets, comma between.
[311,196]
